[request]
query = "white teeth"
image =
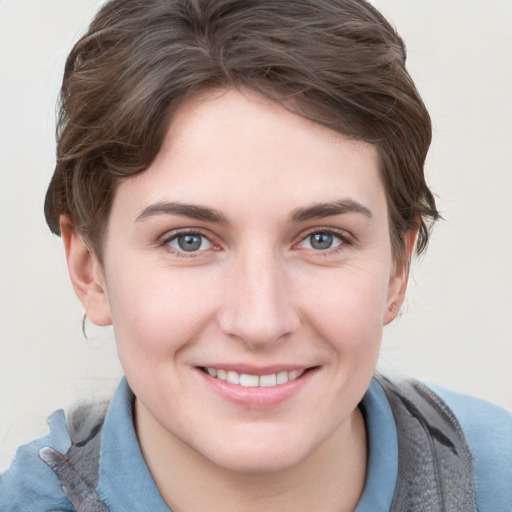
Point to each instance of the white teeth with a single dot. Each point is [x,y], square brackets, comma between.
[233,377]
[268,380]
[282,378]
[295,374]
[249,381]
[252,381]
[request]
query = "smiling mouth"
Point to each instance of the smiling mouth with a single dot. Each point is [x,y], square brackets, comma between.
[254,381]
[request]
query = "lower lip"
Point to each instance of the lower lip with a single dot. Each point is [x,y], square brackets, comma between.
[260,397]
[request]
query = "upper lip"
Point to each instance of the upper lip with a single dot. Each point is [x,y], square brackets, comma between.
[257,370]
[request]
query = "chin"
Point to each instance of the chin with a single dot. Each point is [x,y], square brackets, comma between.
[259,455]
[259,463]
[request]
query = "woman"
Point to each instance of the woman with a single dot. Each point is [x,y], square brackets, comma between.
[240,189]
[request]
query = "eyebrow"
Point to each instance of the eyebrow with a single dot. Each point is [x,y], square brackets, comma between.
[183,209]
[319,210]
[315,211]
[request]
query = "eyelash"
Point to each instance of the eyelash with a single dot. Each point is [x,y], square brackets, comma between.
[345,240]
[166,241]
[344,237]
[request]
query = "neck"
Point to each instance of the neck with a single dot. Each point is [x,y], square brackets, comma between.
[331,478]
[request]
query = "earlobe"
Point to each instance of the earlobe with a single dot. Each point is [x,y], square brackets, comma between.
[396,296]
[86,275]
[399,280]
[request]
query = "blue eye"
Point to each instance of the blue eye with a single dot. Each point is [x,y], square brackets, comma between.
[189,242]
[321,241]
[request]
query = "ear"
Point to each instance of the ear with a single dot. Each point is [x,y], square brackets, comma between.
[399,279]
[86,275]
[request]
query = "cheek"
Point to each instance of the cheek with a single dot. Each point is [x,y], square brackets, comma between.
[350,311]
[157,311]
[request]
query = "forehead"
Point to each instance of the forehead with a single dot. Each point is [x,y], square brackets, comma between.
[228,147]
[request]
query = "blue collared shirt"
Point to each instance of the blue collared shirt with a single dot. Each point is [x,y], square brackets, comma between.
[125,483]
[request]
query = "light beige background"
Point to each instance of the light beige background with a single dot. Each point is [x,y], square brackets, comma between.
[456,327]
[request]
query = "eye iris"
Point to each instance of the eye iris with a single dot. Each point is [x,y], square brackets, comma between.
[321,241]
[189,242]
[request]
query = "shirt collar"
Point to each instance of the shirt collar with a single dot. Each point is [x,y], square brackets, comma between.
[125,478]
[382,473]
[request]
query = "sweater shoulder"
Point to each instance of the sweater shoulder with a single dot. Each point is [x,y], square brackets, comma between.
[488,431]
[29,485]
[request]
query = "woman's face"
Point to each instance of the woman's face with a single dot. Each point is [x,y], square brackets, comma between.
[248,275]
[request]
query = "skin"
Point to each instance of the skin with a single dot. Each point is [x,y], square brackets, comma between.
[256,294]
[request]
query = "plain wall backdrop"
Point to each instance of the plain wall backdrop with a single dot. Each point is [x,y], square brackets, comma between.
[456,326]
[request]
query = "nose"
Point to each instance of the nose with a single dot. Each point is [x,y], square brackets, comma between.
[257,305]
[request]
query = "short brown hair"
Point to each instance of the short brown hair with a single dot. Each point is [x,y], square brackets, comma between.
[336,62]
